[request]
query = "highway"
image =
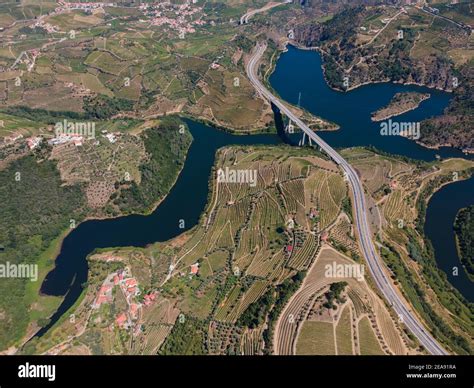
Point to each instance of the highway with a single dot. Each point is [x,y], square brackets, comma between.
[245,18]
[373,260]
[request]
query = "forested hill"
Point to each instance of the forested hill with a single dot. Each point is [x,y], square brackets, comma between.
[464,228]
[372,43]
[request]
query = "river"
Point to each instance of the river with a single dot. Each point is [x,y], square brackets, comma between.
[299,71]
[296,71]
[186,201]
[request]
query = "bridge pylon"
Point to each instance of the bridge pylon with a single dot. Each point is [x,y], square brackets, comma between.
[290,128]
[303,140]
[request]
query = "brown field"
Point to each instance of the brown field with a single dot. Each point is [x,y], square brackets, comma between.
[295,315]
[316,338]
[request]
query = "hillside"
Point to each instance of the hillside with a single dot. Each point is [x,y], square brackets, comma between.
[464,229]
[363,44]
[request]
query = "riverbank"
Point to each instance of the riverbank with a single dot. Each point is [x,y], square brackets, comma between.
[325,101]
[176,213]
[352,111]
[429,89]
[464,236]
[44,297]
[315,122]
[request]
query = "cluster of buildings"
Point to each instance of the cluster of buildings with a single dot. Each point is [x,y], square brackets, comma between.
[76,139]
[78,90]
[104,295]
[46,26]
[128,285]
[33,142]
[111,137]
[65,5]
[177,17]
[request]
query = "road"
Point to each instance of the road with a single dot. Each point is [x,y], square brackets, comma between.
[383,29]
[460,25]
[373,260]
[245,18]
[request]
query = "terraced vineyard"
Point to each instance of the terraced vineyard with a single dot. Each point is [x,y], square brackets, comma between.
[259,273]
[400,191]
[344,333]
[255,237]
[308,326]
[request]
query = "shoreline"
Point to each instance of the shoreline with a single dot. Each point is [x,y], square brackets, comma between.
[458,248]
[58,245]
[156,204]
[386,80]
[407,83]
[398,113]
[332,126]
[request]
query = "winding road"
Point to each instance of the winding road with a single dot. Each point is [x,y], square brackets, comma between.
[245,18]
[373,260]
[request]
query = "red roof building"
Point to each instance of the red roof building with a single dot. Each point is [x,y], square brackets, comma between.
[131,282]
[121,320]
[195,269]
[132,290]
[134,310]
[101,299]
[149,299]
[105,289]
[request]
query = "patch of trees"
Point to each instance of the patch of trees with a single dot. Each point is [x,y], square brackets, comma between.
[332,72]
[334,294]
[415,251]
[188,337]
[417,296]
[347,207]
[166,148]
[456,126]
[243,42]
[103,107]
[42,115]
[32,30]
[282,294]
[342,25]
[256,313]
[35,209]
[464,228]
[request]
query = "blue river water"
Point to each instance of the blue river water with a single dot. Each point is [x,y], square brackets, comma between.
[298,77]
[297,71]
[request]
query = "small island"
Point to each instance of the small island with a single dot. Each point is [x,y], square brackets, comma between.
[400,103]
